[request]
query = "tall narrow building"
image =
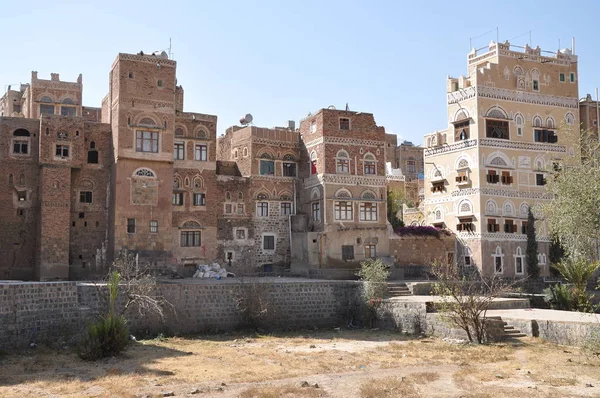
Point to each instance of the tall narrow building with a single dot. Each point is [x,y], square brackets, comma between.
[510,121]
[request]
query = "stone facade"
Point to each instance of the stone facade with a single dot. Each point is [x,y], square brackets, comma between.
[509,123]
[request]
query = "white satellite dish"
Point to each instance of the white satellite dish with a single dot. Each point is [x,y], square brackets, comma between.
[247,119]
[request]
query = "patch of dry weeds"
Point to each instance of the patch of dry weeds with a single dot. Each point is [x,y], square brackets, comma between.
[390,387]
[287,391]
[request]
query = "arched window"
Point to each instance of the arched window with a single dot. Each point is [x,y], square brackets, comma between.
[537,121]
[245,151]
[144,172]
[491,207]
[496,113]
[498,161]
[198,182]
[266,155]
[22,179]
[201,132]
[146,121]
[315,194]
[465,207]
[550,123]
[343,193]
[177,182]
[569,118]
[342,162]
[240,196]
[46,99]
[509,209]
[92,144]
[262,196]
[235,154]
[369,166]
[21,133]
[369,195]
[498,258]
[519,119]
[524,210]
[517,70]
[289,158]
[313,162]
[68,101]
[10,179]
[519,262]
[463,164]
[179,132]
[228,196]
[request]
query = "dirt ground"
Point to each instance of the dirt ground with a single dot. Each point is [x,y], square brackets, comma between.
[369,364]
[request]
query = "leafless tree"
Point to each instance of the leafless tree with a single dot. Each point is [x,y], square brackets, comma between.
[466,297]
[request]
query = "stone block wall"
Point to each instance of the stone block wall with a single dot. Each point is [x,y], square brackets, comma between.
[413,250]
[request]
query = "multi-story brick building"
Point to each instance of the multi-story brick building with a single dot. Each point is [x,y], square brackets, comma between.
[343,190]
[83,183]
[589,113]
[254,229]
[509,122]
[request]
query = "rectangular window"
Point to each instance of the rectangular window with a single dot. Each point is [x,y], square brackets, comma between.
[369,167]
[177,199]
[370,251]
[536,85]
[289,169]
[267,168]
[545,136]
[62,151]
[467,261]
[347,252]
[497,129]
[190,238]
[492,226]
[342,166]
[519,265]
[462,177]
[316,211]
[179,151]
[46,109]
[519,131]
[153,226]
[68,111]
[146,141]
[492,177]
[465,224]
[268,242]
[262,209]
[159,83]
[201,153]
[411,166]
[368,211]
[240,208]
[21,147]
[539,179]
[313,126]
[438,186]
[461,131]
[523,227]
[507,179]
[17,108]
[199,199]
[572,77]
[561,77]
[510,227]
[85,197]
[343,210]
[344,123]
[131,225]
[313,167]
[228,208]
[286,208]
[240,233]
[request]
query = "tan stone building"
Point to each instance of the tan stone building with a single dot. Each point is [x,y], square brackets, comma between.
[510,121]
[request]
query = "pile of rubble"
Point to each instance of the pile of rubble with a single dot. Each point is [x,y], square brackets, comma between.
[211,271]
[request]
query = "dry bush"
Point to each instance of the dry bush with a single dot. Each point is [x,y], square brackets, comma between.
[389,387]
[424,377]
[287,391]
[253,302]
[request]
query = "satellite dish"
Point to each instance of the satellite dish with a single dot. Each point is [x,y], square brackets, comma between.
[164,55]
[247,119]
[331,107]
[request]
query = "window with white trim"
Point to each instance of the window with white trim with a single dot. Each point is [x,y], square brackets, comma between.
[285,208]
[146,141]
[179,151]
[262,209]
[316,211]
[343,210]
[519,262]
[368,211]
[498,258]
[269,242]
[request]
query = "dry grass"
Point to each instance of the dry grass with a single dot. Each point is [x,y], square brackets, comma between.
[355,357]
[389,387]
[287,391]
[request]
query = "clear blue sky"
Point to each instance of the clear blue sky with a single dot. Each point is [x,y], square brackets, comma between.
[281,59]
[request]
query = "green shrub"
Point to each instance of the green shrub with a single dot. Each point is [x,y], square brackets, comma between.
[559,297]
[107,337]
[374,273]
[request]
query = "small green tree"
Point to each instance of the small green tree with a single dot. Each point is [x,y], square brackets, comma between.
[578,273]
[531,253]
[374,273]
[395,201]
[556,254]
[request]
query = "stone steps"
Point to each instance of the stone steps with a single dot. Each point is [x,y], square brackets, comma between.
[509,331]
[398,289]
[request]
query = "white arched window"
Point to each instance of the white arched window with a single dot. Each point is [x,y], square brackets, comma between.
[369,166]
[342,162]
[569,119]
[524,210]
[537,121]
[519,121]
[491,207]
[144,172]
[550,123]
[498,258]
[343,193]
[509,209]
[519,262]
[315,194]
